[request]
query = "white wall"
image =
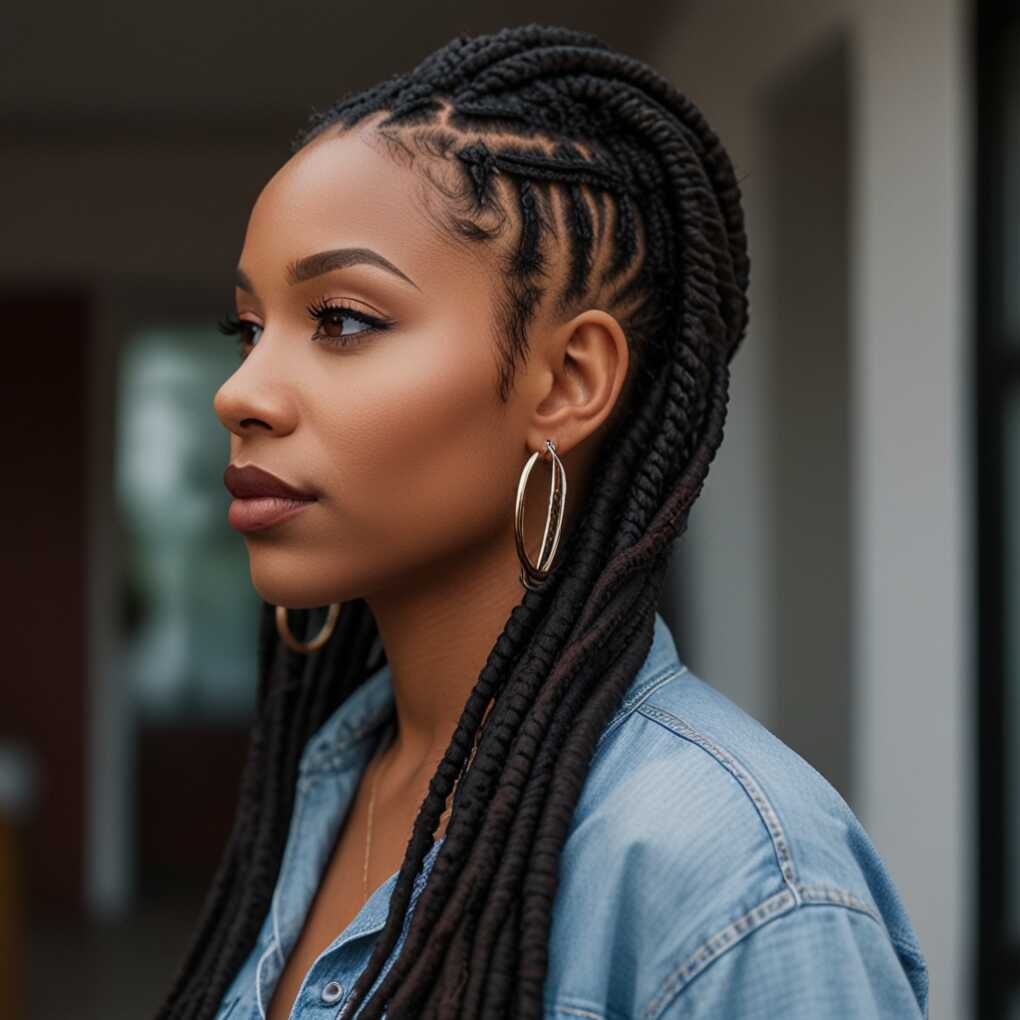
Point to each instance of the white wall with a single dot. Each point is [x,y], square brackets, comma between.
[911,645]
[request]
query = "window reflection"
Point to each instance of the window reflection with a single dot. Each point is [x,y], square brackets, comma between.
[190,619]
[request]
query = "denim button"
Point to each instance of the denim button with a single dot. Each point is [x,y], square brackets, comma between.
[332,991]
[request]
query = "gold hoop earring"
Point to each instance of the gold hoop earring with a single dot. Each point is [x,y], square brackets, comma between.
[533,574]
[283,627]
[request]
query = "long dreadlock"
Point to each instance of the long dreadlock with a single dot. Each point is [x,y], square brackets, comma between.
[540,123]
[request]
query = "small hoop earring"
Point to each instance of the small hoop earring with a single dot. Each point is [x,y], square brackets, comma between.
[326,632]
[533,574]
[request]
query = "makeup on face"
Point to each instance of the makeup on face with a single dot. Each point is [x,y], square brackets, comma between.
[368,377]
[263,512]
[261,499]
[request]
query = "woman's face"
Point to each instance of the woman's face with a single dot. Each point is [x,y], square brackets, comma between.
[387,412]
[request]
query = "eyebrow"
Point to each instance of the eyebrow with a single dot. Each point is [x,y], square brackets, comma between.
[310,266]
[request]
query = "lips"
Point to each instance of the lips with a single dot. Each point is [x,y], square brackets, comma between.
[250,482]
[260,498]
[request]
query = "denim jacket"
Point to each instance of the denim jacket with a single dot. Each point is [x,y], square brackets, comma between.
[710,871]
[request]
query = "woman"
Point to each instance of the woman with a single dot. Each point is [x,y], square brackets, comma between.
[483,784]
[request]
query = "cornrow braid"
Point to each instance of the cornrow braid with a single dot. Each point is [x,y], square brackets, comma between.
[550,133]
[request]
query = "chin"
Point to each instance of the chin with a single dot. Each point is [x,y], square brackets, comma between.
[297,582]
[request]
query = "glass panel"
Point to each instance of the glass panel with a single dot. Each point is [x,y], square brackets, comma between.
[190,621]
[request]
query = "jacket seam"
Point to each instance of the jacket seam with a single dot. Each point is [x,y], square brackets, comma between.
[258,981]
[831,896]
[766,812]
[775,906]
[716,945]
[836,897]
[298,813]
[636,698]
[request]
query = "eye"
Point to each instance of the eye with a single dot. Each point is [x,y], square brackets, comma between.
[247,333]
[338,323]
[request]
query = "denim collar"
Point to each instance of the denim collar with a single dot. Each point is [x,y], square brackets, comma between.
[343,738]
[343,745]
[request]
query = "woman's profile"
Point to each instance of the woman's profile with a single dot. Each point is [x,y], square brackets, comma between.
[486,312]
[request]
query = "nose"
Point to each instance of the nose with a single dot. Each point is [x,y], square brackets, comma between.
[254,399]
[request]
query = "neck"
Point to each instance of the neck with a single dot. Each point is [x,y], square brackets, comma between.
[439,623]
[438,629]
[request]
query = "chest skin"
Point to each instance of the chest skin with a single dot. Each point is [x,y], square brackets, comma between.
[340,895]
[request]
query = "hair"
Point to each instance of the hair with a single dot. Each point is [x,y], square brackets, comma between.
[527,135]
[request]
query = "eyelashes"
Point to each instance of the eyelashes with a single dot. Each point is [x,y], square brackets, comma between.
[230,325]
[330,317]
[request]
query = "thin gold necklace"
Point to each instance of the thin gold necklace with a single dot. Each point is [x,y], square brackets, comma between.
[371,806]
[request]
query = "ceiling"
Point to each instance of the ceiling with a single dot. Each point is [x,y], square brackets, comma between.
[123,68]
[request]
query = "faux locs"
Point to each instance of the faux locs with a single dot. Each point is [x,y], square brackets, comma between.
[551,218]
[590,176]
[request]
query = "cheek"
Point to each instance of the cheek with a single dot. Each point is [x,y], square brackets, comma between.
[421,448]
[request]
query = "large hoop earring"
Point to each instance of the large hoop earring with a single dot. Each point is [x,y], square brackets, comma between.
[532,575]
[283,627]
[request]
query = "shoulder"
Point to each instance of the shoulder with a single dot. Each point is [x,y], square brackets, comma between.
[696,829]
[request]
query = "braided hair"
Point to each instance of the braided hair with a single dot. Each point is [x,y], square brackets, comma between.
[527,135]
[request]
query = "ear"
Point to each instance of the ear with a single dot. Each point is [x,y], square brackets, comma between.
[586,360]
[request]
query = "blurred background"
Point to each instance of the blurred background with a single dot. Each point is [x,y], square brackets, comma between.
[851,574]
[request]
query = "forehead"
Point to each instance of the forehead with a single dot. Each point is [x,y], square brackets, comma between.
[342,191]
